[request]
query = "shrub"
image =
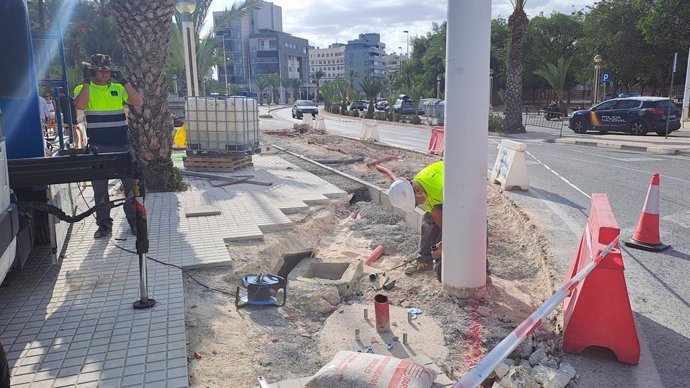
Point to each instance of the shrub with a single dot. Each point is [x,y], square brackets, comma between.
[397,117]
[335,109]
[355,113]
[496,123]
[415,120]
[380,116]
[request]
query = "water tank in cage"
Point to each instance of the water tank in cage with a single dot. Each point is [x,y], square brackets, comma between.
[229,125]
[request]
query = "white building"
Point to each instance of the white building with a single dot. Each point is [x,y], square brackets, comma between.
[331,61]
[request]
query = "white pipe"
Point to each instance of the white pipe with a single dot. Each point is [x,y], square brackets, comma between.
[483,369]
[466,136]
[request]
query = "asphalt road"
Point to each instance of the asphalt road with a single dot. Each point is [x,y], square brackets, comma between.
[658,283]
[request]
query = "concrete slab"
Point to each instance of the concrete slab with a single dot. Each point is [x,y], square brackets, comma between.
[424,335]
[200,211]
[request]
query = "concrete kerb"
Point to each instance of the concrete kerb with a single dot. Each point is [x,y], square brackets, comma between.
[378,195]
[654,150]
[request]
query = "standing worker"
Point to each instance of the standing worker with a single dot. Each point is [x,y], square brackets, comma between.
[103,102]
[425,190]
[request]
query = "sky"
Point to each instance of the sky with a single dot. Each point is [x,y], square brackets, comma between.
[323,22]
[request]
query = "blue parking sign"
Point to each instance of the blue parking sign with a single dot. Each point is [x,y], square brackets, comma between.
[605,77]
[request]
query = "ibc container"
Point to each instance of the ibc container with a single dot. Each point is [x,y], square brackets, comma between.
[229,125]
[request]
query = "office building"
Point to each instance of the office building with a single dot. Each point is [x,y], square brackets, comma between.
[366,56]
[331,61]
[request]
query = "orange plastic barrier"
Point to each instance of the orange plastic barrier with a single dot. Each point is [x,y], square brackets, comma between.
[598,313]
[437,141]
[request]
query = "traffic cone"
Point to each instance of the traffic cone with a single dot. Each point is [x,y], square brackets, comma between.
[646,236]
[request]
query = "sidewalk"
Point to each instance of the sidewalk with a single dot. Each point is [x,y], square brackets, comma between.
[678,142]
[72,323]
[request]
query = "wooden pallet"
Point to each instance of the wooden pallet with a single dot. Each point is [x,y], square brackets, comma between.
[216,163]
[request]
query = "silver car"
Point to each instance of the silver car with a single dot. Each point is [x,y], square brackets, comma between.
[304,106]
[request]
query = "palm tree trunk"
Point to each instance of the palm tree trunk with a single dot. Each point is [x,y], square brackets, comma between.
[145,57]
[518,22]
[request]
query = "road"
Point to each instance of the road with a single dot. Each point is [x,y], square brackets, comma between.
[658,283]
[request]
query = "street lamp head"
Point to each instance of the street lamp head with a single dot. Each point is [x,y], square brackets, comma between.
[491,71]
[439,78]
[598,58]
[406,32]
[185,6]
[174,77]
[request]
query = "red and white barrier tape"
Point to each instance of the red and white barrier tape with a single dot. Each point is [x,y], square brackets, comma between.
[483,369]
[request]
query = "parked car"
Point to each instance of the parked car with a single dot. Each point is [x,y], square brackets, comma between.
[405,107]
[304,106]
[382,105]
[635,115]
[360,105]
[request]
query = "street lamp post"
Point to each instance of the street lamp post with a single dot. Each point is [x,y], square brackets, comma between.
[595,82]
[174,78]
[186,8]
[438,86]
[225,65]
[491,89]
[408,43]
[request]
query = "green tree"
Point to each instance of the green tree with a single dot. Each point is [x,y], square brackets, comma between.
[145,58]
[293,84]
[316,76]
[262,83]
[518,24]
[274,82]
[371,88]
[556,75]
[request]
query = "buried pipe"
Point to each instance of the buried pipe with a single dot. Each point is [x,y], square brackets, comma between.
[375,254]
[340,161]
[386,159]
[326,146]
[382,313]
[387,172]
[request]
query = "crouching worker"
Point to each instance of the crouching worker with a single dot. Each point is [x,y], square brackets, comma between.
[424,190]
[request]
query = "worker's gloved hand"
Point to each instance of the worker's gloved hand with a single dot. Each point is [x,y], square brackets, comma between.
[86,73]
[117,76]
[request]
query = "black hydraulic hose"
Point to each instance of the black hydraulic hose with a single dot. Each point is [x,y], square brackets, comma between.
[57,212]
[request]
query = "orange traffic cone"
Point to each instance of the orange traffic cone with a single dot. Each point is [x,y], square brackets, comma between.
[646,235]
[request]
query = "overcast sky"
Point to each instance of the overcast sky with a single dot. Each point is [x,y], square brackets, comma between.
[323,22]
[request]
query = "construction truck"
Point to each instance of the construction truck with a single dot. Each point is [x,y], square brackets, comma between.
[39,189]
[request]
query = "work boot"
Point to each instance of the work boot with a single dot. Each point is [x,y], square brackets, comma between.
[418,265]
[101,232]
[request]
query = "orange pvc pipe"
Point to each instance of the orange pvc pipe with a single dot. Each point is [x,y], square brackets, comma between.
[377,161]
[375,254]
[386,171]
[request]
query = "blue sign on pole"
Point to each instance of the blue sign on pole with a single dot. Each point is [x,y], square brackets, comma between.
[605,77]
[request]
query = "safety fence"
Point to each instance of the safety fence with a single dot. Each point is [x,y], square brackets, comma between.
[543,118]
[483,369]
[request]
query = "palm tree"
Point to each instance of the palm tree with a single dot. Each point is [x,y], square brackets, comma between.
[329,93]
[274,82]
[556,76]
[316,76]
[146,54]
[207,47]
[293,84]
[262,83]
[518,24]
[371,88]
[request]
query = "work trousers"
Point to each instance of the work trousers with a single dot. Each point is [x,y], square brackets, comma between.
[430,235]
[100,190]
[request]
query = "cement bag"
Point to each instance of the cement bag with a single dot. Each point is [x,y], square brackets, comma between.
[352,370]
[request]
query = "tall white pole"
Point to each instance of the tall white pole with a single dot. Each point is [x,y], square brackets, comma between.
[466,136]
[188,40]
[686,94]
[225,66]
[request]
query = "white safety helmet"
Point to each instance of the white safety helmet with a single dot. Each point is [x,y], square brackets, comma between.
[401,195]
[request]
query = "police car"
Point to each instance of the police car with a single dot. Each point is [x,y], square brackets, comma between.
[635,115]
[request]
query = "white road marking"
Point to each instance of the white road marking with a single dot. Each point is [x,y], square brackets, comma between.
[559,175]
